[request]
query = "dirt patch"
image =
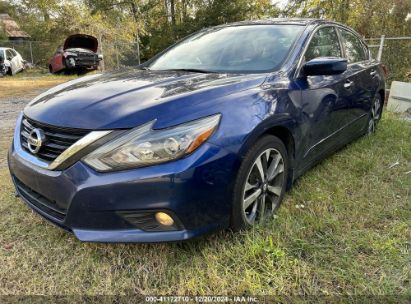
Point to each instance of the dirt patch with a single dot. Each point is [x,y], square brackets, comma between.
[14,96]
[9,111]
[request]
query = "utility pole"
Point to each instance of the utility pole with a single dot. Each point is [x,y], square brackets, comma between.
[100,38]
[31,53]
[379,56]
[135,9]
[138,46]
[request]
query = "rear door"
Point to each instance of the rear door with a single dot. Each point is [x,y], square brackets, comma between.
[322,97]
[361,83]
[20,60]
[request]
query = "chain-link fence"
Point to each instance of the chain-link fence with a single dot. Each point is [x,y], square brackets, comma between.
[38,53]
[395,54]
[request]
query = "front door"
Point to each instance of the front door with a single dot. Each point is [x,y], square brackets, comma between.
[323,101]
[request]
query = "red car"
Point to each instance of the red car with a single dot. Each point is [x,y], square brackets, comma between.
[78,55]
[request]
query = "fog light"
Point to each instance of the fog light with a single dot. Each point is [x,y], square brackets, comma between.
[164,219]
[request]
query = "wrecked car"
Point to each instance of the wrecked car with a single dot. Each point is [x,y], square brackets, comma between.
[77,55]
[2,66]
[11,61]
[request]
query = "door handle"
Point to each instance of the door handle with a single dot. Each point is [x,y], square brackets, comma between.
[348,84]
[373,72]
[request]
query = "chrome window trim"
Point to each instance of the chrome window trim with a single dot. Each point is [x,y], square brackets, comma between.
[70,151]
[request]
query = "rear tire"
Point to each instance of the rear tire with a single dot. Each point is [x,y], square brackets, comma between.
[260,184]
[374,115]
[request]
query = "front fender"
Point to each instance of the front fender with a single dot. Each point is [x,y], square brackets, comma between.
[284,121]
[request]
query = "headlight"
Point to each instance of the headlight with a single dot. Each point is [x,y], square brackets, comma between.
[144,146]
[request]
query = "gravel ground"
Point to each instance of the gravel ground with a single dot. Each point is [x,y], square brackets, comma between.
[10,108]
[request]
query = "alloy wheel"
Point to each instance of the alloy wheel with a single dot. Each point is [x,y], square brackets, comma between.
[263,187]
[375,115]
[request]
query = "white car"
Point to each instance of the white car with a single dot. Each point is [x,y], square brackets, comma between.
[11,60]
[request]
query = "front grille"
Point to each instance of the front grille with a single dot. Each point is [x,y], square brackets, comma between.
[86,58]
[57,139]
[39,201]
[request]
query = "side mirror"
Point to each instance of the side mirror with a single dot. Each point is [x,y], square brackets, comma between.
[325,66]
[9,58]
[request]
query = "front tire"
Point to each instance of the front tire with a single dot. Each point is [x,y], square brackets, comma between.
[260,184]
[375,114]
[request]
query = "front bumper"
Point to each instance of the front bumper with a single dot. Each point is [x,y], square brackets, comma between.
[194,190]
[82,61]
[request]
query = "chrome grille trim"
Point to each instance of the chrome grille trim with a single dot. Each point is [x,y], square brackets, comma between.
[58,140]
[62,156]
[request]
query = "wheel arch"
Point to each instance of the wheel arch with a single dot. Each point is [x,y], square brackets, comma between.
[286,136]
[282,130]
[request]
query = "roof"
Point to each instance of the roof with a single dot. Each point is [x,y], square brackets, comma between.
[11,28]
[299,21]
[302,21]
[288,21]
[296,21]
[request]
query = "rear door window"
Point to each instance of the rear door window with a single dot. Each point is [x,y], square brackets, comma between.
[9,55]
[324,43]
[354,49]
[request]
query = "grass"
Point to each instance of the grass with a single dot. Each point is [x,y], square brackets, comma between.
[343,229]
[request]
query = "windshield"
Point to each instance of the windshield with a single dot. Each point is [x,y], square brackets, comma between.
[254,48]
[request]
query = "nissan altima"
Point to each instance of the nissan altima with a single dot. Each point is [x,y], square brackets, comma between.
[207,135]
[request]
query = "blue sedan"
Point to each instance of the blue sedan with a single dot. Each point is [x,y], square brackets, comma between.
[207,135]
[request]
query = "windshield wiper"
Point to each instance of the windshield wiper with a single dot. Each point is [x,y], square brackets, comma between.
[191,70]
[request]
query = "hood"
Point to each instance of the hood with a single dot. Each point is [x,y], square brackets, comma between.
[130,98]
[81,41]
